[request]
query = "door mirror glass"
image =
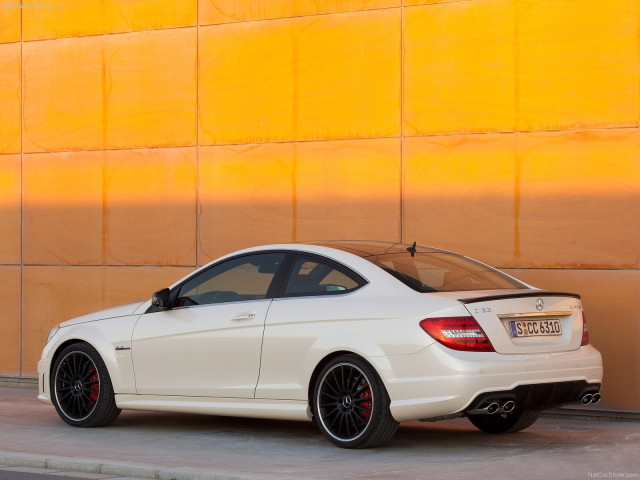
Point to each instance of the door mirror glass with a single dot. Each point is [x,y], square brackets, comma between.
[160,298]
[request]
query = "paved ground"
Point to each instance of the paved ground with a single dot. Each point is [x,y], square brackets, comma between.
[159,445]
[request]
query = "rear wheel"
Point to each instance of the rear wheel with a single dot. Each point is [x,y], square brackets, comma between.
[81,388]
[511,422]
[351,405]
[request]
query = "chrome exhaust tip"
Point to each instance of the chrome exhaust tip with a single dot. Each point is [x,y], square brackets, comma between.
[586,399]
[508,406]
[492,408]
[596,397]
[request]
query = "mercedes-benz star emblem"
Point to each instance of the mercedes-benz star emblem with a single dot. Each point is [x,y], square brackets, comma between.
[539,304]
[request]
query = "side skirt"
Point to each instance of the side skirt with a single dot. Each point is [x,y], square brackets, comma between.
[231,407]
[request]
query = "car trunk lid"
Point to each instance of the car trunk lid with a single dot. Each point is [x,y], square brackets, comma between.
[525,321]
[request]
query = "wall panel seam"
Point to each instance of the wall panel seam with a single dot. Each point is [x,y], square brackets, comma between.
[341,139]
[104,34]
[289,17]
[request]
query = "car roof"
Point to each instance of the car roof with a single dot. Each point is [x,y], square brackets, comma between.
[369,248]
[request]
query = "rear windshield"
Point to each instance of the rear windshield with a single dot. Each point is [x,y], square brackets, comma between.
[443,272]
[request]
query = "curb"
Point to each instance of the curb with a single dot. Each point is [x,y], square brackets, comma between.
[18,382]
[125,469]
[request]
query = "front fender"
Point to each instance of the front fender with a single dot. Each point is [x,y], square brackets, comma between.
[105,336]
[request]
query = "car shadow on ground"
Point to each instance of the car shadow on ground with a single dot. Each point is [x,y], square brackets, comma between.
[452,436]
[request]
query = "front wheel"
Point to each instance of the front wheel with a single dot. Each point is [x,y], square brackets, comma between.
[351,405]
[511,422]
[81,388]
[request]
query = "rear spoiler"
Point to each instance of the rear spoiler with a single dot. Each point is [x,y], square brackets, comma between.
[537,293]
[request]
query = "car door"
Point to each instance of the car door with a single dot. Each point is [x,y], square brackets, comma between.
[315,303]
[209,343]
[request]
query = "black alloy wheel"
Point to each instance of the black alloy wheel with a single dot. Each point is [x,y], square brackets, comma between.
[351,405]
[81,389]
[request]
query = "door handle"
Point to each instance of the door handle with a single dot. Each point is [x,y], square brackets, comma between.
[244,316]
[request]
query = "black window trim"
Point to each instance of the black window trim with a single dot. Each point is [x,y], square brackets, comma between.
[341,267]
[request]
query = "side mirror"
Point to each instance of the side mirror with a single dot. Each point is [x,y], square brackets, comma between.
[161,299]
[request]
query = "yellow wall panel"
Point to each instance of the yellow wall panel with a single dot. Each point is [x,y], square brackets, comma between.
[62,208]
[10,338]
[579,199]
[459,194]
[348,190]
[578,64]
[459,61]
[115,91]
[225,11]
[56,294]
[64,94]
[10,185]
[410,3]
[610,303]
[246,196]
[308,78]
[9,97]
[151,89]
[70,18]
[115,207]
[348,76]
[10,22]
[245,83]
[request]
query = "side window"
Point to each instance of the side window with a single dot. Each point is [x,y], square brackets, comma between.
[243,278]
[313,276]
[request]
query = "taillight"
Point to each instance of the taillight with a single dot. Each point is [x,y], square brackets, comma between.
[458,333]
[585,331]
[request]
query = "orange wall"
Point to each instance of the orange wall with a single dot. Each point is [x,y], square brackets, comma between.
[139,139]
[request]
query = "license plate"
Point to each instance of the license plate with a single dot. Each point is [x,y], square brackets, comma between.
[535,328]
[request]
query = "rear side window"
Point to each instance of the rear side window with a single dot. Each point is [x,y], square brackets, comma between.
[312,275]
[443,272]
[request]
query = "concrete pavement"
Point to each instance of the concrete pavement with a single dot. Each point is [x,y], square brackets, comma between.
[177,446]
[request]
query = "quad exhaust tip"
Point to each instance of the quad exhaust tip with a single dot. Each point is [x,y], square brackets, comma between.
[496,406]
[591,398]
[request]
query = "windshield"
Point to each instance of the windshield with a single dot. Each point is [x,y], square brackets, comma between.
[443,272]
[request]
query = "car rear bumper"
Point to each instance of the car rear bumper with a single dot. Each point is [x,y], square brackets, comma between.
[439,381]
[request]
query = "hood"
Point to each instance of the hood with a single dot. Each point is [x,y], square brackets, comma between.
[119,311]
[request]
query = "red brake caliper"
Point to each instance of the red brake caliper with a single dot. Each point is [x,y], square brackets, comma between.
[367,403]
[95,387]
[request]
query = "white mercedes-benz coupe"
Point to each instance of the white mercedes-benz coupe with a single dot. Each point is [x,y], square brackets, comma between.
[353,335]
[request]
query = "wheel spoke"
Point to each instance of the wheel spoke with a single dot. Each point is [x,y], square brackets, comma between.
[74,366]
[361,389]
[346,425]
[327,394]
[361,408]
[356,419]
[348,384]
[354,385]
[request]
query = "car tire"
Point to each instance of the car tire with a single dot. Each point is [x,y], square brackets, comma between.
[81,388]
[351,405]
[511,422]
